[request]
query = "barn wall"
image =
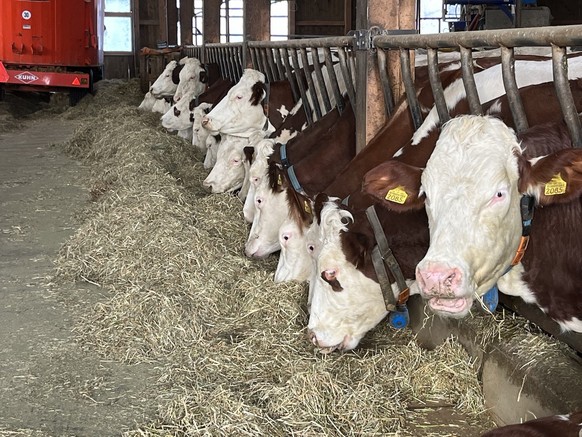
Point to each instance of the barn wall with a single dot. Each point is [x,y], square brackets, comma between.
[323,17]
[119,66]
[564,12]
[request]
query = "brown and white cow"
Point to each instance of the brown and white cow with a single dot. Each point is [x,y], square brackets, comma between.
[473,184]
[167,82]
[562,425]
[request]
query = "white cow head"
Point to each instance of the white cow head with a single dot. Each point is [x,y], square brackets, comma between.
[199,133]
[165,85]
[257,172]
[298,246]
[228,172]
[212,146]
[473,183]
[345,303]
[180,115]
[147,103]
[161,105]
[241,112]
[192,79]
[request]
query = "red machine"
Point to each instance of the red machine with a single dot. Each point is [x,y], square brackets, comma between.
[51,45]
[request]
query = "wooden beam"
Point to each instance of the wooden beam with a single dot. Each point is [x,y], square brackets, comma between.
[211,21]
[370,109]
[163,20]
[257,20]
[186,14]
[172,22]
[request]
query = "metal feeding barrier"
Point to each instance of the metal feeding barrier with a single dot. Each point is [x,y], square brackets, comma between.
[558,38]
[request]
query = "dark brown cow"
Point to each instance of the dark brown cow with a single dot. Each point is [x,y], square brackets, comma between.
[568,425]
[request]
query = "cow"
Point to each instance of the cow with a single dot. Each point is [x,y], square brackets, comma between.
[279,98]
[413,231]
[193,79]
[336,147]
[240,112]
[562,425]
[147,103]
[472,189]
[167,82]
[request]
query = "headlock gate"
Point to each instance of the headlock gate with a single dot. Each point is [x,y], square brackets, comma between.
[324,70]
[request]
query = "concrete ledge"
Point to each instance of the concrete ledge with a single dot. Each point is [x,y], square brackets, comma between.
[519,383]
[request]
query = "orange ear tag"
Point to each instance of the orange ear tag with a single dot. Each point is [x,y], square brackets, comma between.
[397,195]
[306,207]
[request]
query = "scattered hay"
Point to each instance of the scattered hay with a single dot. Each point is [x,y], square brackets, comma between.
[230,342]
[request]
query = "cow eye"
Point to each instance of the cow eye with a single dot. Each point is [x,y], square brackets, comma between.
[239,97]
[310,247]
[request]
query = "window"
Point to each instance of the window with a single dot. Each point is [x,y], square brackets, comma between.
[118,26]
[197,23]
[231,21]
[431,17]
[279,20]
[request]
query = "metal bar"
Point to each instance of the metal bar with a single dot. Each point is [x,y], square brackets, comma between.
[511,89]
[230,61]
[272,66]
[537,36]
[320,79]
[569,111]
[336,41]
[386,88]
[241,62]
[339,100]
[254,59]
[346,75]
[301,86]
[279,62]
[266,66]
[290,76]
[437,87]
[469,81]
[310,84]
[409,88]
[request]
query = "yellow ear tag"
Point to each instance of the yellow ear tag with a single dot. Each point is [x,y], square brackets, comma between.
[306,207]
[556,185]
[397,195]
[279,180]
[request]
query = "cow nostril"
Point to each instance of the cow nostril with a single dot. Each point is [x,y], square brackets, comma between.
[330,274]
[449,279]
[205,121]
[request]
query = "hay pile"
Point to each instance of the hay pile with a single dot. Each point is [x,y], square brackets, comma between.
[231,343]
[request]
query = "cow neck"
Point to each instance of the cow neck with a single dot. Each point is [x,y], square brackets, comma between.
[294,181]
[382,256]
[526,207]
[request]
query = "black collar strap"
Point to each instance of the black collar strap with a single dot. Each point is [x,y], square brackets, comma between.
[383,252]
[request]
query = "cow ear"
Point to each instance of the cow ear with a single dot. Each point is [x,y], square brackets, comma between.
[320,200]
[203,76]
[248,152]
[192,105]
[395,185]
[554,178]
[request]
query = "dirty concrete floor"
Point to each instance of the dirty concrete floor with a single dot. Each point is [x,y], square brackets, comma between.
[49,385]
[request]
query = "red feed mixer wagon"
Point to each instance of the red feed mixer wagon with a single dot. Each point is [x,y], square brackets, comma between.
[51,46]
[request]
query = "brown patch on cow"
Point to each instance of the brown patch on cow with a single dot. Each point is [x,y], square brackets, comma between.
[259,91]
[544,426]
[277,178]
[280,93]
[334,283]
[395,186]
[176,73]
[177,112]
[216,92]
[192,105]
[318,203]
[211,72]
[249,152]
[300,209]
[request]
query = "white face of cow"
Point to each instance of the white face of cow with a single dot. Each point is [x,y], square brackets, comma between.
[257,172]
[161,106]
[164,86]
[236,114]
[270,211]
[472,203]
[212,145]
[228,172]
[345,304]
[179,116]
[297,248]
[147,103]
[190,82]
[199,133]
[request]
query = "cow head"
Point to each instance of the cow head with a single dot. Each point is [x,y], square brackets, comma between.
[473,184]
[228,171]
[241,111]
[345,303]
[180,116]
[257,172]
[189,79]
[163,85]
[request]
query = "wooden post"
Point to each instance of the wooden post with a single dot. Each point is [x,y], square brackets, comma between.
[172,23]
[163,20]
[257,20]
[370,110]
[186,14]
[211,21]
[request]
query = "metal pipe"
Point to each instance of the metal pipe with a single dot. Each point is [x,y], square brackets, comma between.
[272,66]
[385,79]
[266,68]
[569,111]
[290,76]
[336,41]
[301,85]
[409,88]
[346,75]
[310,84]
[437,87]
[511,89]
[339,101]
[320,79]
[469,81]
